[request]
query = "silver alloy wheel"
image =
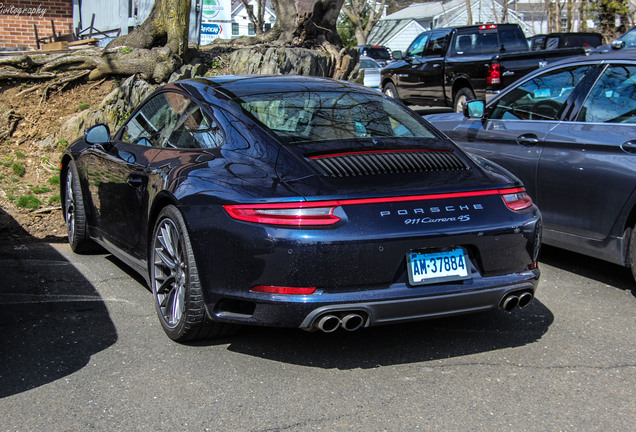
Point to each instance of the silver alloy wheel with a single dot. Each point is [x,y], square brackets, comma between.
[70,206]
[170,272]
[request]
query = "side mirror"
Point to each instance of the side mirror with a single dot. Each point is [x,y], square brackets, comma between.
[98,134]
[474,109]
[618,44]
[397,55]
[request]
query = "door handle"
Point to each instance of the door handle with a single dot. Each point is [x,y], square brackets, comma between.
[629,147]
[527,140]
[135,180]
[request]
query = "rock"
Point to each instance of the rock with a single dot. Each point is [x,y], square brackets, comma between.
[289,61]
[47,144]
[188,71]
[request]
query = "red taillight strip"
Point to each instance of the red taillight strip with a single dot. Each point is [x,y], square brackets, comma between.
[284,290]
[249,212]
[378,152]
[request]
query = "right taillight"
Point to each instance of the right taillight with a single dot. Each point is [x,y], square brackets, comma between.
[494,74]
[516,199]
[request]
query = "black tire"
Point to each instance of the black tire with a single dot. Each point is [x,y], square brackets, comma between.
[75,213]
[462,96]
[175,284]
[391,91]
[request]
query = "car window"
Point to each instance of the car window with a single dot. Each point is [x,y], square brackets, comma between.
[368,64]
[613,97]
[540,98]
[154,121]
[331,115]
[436,44]
[417,47]
[195,130]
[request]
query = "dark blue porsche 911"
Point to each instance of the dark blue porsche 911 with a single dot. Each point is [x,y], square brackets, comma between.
[298,202]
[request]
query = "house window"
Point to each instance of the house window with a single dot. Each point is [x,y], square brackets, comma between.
[235,29]
[251,30]
[268,26]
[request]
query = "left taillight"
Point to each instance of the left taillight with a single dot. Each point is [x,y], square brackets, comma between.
[516,199]
[291,214]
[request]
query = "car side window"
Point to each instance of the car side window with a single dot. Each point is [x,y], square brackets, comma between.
[540,98]
[195,130]
[417,47]
[436,44]
[155,120]
[613,97]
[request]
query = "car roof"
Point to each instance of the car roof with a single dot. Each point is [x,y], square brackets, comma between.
[226,89]
[618,55]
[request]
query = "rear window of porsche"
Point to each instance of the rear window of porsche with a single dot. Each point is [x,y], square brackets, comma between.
[302,116]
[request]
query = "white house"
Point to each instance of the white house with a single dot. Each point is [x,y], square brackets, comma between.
[241,24]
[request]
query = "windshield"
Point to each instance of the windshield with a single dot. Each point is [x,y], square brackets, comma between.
[302,116]
[630,37]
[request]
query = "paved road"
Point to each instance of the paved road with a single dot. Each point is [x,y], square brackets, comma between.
[82,350]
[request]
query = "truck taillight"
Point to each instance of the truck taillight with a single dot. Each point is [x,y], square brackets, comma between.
[494,74]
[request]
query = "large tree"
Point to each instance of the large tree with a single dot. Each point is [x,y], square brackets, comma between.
[363,14]
[309,24]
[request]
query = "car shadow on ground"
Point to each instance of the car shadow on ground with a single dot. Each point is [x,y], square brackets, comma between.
[589,267]
[52,320]
[389,345]
[416,342]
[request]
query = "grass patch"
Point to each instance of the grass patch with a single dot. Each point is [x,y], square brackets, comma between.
[62,143]
[20,155]
[40,189]
[55,199]
[30,202]
[55,180]
[18,168]
[82,106]
[11,197]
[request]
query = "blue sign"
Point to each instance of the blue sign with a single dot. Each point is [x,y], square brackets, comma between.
[210,29]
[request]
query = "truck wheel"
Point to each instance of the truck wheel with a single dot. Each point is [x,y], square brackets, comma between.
[462,96]
[391,91]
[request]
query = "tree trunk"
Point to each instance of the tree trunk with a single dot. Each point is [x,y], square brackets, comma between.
[363,17]
[166,26]
[153,50]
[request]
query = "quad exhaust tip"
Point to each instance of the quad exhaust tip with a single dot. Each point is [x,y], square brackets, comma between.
[350,321]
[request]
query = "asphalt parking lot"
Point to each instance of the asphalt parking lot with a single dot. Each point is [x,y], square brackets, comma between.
[82,350]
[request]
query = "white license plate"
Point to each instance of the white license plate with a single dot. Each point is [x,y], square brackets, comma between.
[444,266]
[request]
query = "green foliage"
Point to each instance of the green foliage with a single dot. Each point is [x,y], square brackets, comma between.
[62,143]
[18,168]
[11,197]
[126,50]
[30,202]
[607,11]
[346,30]
[20,155]
[55,180]
[40,189]
[82,106]
[55,199]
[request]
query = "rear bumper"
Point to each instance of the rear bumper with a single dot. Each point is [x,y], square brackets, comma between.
[399,303]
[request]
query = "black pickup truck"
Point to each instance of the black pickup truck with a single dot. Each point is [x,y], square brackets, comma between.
[447,66]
